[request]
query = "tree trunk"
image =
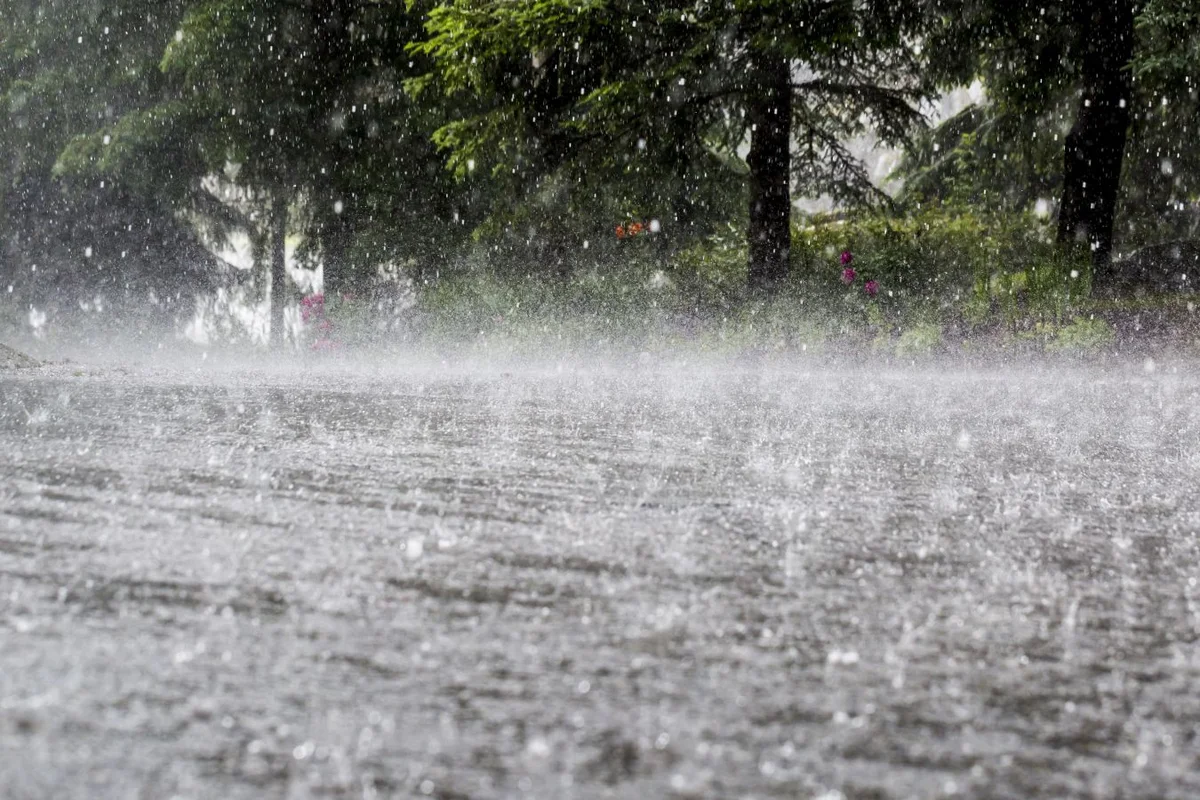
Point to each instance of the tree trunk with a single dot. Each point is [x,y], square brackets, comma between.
[1095,146]
[770,112]
[685,131]
[336,234]
[279,218]
[330,22]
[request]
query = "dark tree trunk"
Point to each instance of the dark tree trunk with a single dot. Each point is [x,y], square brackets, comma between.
[331,25]
[1095,146]
[336,234]
[279,217]
[685,131]
[770,112]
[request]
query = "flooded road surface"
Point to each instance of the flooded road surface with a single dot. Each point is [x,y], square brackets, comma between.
[756,582]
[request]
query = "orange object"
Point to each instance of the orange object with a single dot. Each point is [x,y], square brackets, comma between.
[620,231]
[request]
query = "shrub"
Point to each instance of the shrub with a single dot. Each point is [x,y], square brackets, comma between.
[943,262]
[921,339]
[1082,336]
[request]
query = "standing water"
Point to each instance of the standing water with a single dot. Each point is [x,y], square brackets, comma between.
[640,582]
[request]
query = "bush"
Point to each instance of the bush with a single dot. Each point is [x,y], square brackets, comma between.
[943,263]
[918,278]
[1082,336]
[921,339]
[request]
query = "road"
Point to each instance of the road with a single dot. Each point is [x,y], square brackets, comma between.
[626,581]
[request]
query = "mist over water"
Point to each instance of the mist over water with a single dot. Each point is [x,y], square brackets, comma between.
[659,576]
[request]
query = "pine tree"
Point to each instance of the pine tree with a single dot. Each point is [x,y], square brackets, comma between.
[68,69]
[1088,102]
[298,109]
[564,88]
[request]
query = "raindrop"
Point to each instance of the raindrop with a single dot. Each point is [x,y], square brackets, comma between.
[842,657]
[415,547]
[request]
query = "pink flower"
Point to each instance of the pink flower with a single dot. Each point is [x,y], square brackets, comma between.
[847,257]
[848,275]
[312,307]
[871,288]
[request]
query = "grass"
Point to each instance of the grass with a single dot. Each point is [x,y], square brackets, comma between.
[645,309]
[950,282]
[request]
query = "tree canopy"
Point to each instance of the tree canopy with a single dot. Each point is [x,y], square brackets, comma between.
[67,68]
[1044,67]
[411,133]
[667,105]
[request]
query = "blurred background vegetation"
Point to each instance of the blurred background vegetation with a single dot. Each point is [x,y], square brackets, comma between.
[604,170]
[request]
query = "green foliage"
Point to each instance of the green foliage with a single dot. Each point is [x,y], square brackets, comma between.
[1160,194]
[303,101]
[67,70]
[987,157]
[643,106]
[1082,336]
[1006,154]
[945,275]
[921,339]
[931,257]
[713,271]
[488,145]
